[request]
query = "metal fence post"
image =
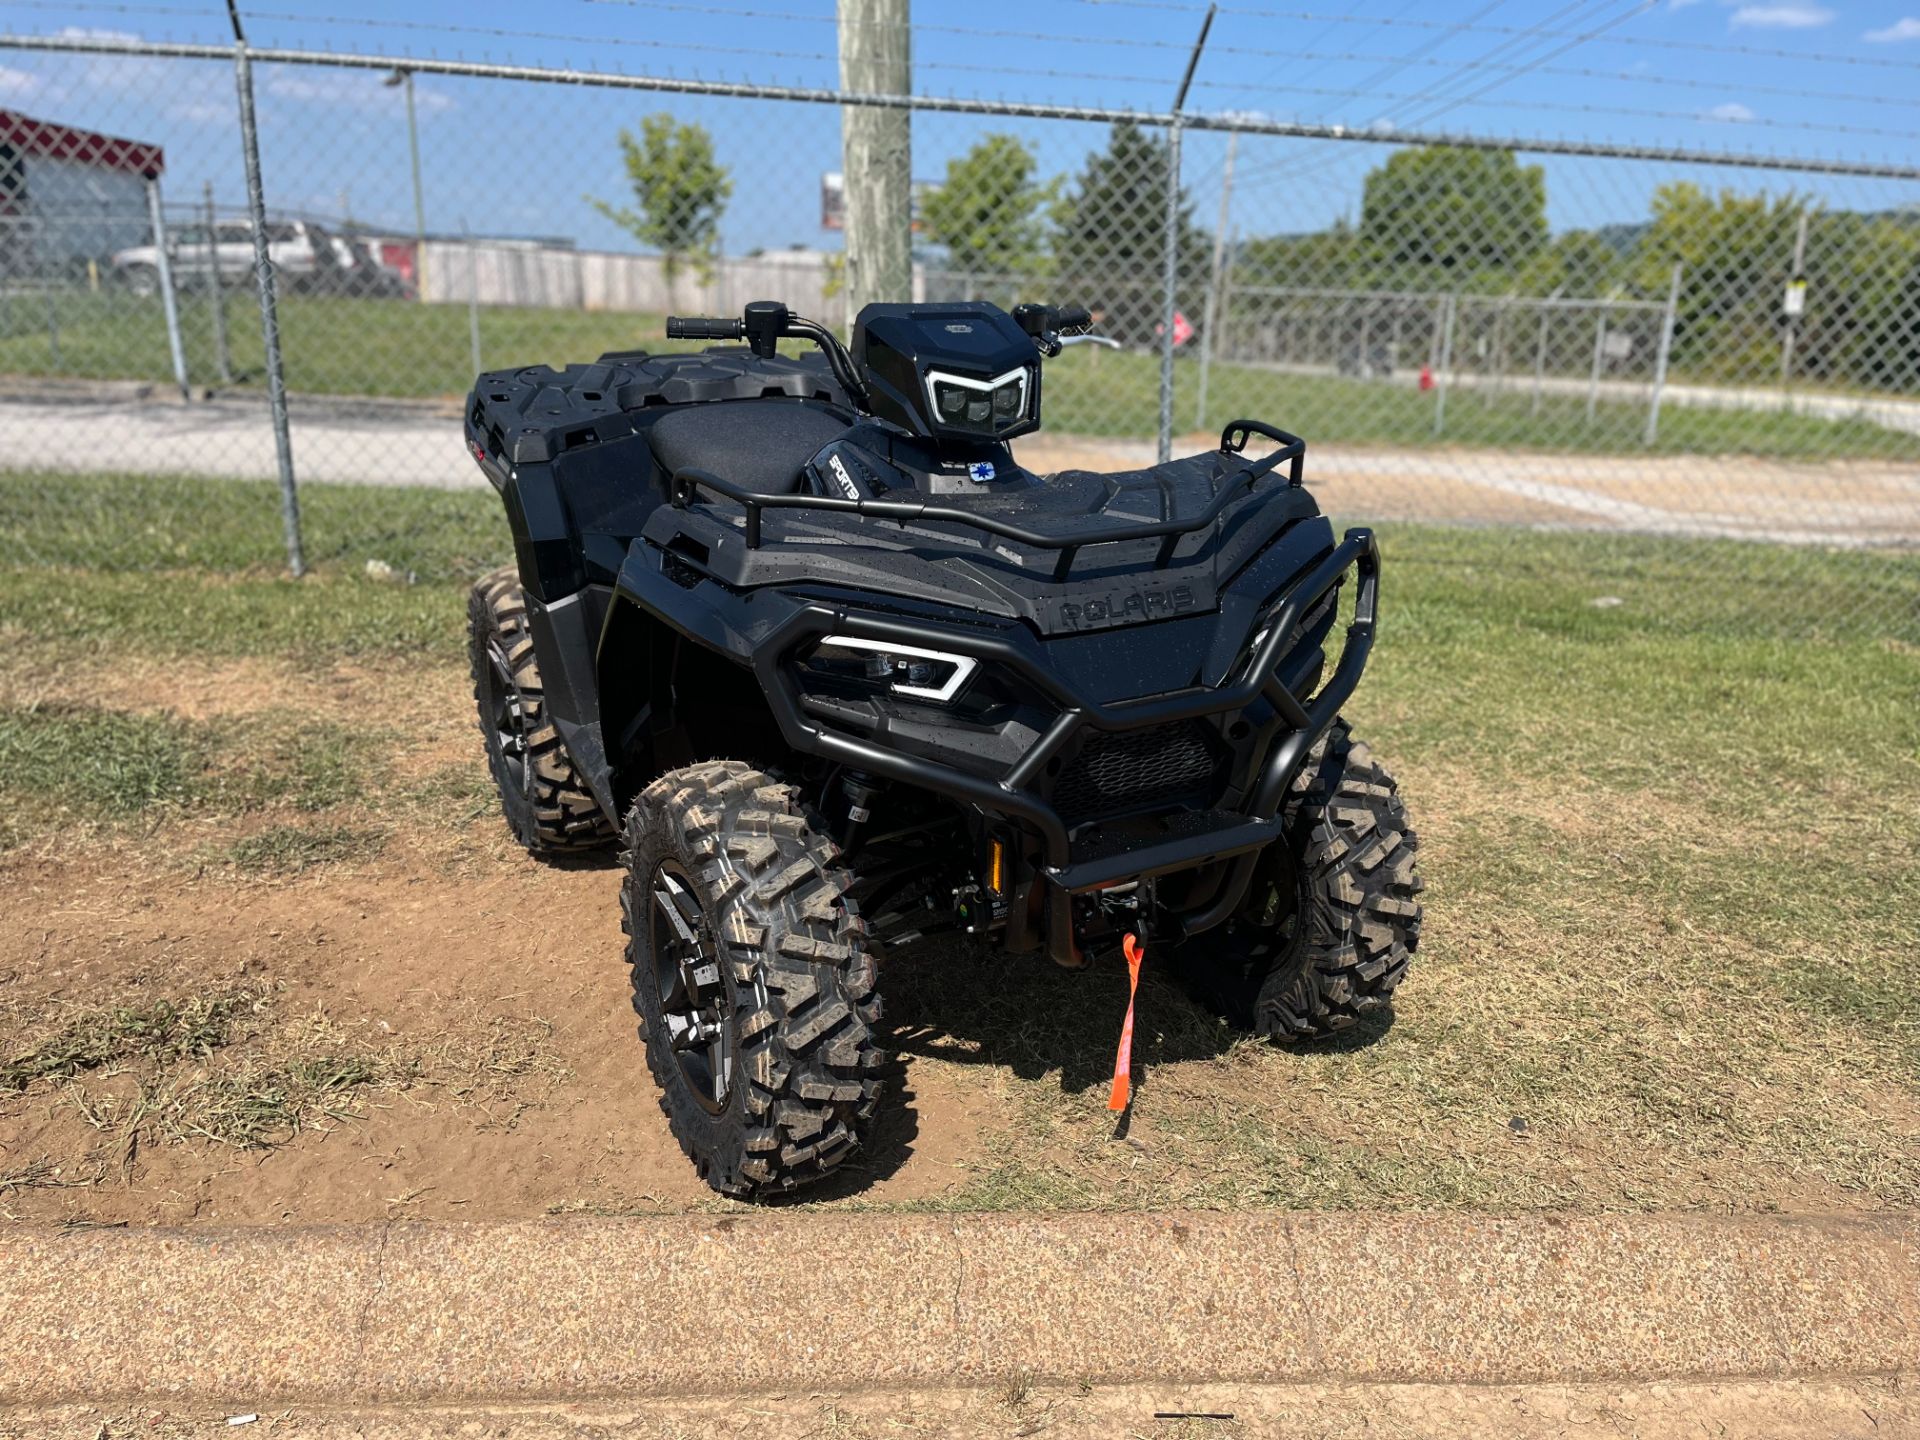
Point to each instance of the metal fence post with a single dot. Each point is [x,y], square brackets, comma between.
[169,302]
[473,297]
[1443,375]
[1540,350]
[1599,355]
[269,310]
[222,354]
[1661,356]
[53,324]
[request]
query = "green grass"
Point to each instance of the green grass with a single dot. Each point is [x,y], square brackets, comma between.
[1672,848]
[395,349]
[289,849]
[1090,392]
[331,345]
[64,762]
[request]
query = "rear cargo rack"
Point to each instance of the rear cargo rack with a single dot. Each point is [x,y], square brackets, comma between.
[687,483]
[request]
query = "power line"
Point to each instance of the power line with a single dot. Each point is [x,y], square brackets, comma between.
[1680,82]
[1648,41]
[500,33]
[1631,13]
[1513,45]
[1387,72]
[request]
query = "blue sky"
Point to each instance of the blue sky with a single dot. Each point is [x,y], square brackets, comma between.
[1827,79]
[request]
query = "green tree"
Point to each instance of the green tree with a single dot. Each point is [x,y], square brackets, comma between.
[1578,263]
[680,192]
[990,211]
[1735,253]
[1462,211]
[1110,245]
[1330,257]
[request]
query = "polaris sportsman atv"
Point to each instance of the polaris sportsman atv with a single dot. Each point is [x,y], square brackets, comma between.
[837,674]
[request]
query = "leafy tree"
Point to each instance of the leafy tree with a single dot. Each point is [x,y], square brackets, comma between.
[990,212]
[1462,211]
[1322,257]
[1578,263]
[1111,242]
[1735,252]
[680,192]
[1892,353]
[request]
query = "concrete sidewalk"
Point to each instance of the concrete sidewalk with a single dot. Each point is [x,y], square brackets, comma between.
[694,1306]
[1821,1409]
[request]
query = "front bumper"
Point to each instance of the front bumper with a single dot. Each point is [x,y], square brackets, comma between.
[1078,863]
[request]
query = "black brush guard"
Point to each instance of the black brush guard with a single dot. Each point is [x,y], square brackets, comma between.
[1303,719]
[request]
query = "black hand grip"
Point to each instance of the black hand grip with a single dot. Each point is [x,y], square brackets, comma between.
[701,327]
[1072,319]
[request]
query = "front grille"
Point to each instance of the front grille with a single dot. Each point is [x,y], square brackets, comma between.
[1126,771]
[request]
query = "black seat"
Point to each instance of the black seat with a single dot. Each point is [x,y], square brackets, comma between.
[759,445]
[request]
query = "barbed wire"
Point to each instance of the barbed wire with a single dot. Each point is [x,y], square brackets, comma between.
[1096,77]
[1455,102]
[503,33]
[1397,21]
[1681,82]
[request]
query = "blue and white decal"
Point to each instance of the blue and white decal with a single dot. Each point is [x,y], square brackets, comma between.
[980,471]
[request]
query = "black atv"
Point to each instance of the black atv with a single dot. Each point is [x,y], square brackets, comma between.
[837,675]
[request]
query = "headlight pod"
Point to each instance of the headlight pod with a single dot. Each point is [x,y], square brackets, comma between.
[978,407]
[876,666]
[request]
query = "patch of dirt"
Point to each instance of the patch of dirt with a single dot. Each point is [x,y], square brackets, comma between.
[419,963]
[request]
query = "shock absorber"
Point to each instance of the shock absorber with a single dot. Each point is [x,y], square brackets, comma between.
[857,787]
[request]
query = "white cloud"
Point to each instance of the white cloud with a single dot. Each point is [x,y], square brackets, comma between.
[17,82]
[95,35]
[1733,112]
[356,89]
[1781,17]
[1906,28]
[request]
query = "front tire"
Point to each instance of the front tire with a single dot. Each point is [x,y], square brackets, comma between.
[1332,920]
[544,797]
[751,979]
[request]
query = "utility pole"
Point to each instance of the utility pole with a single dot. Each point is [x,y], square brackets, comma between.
[1215,282]
[1796,299]
[876,145]
[404,78]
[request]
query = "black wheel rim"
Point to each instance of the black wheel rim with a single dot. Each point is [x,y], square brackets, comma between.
[507,714]
[695,1003]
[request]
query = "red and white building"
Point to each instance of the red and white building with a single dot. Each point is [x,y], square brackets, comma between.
[68,196]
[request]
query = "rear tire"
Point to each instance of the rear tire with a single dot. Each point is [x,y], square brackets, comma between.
[1333,917]
[546,801]
[751,979]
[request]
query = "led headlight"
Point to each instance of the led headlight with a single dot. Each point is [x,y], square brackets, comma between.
[904,670]
[978,407]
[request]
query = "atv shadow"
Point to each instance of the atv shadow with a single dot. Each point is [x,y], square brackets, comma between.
[970,1004]
[966,1003]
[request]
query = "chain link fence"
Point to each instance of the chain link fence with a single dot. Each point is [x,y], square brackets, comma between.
[1539,336]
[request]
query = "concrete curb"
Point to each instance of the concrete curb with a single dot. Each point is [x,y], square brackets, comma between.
[704,1305]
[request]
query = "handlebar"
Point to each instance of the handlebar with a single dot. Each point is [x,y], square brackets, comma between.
[703,327]
[763,325]
[1072,319]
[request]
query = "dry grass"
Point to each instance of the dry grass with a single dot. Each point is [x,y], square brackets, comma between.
[1673,866]
[233,1068]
